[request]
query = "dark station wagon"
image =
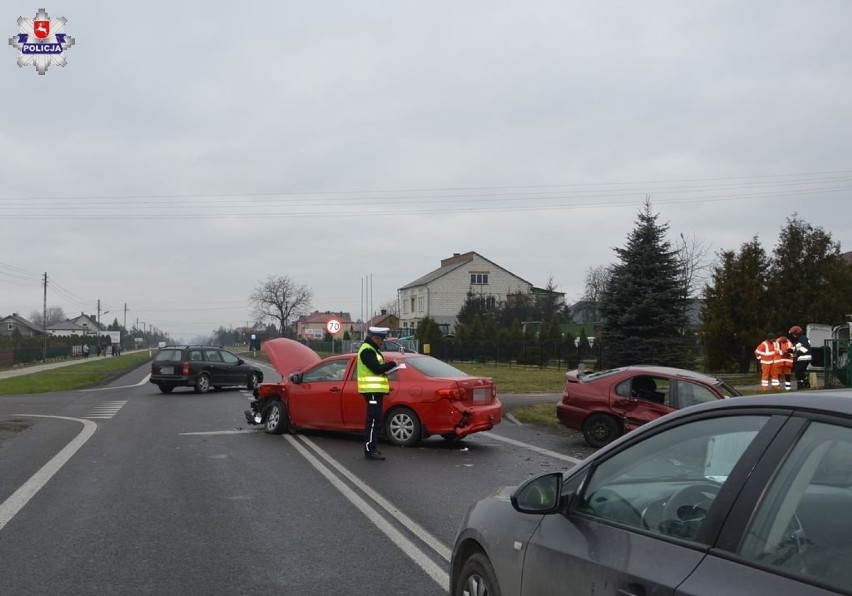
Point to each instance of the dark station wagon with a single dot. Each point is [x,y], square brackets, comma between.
[202,368]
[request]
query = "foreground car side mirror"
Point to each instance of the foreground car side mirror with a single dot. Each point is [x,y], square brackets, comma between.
[539,495]
[296,378]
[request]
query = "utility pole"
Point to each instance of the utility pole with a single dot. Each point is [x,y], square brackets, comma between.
[99,314]
[44,319]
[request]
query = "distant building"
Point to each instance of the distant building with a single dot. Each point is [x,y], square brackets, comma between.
[9,324]
[90,324]
[313,326]
[68,329]
[441,293]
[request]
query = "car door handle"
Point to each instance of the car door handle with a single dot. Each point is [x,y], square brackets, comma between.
[334,390]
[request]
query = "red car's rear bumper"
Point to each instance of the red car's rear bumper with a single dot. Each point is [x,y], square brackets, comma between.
[468,419]
[570,416]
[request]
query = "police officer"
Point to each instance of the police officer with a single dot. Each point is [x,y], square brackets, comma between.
[373,385]
[802,354]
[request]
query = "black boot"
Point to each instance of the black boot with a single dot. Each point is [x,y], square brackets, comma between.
[375,455]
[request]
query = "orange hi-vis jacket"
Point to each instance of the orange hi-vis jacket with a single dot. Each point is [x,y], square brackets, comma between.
[785,350]
[767,351]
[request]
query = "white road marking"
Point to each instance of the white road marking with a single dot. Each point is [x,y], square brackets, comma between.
[219,432]
[139,384]
[406,521]
[16,501]
[106,410]
[511,418]
[546,452]
[441,577]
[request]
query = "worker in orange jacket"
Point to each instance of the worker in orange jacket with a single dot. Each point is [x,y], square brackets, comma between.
[784,361]
[766,353]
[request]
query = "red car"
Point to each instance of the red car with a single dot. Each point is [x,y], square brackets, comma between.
[427,397]
[604,405]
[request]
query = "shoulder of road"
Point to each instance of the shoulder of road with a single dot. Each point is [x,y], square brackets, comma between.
[36,368]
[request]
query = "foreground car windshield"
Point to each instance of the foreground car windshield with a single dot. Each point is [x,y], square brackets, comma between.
[432,367]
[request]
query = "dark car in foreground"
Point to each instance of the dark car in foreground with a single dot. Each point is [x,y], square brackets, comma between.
[750,495]
[202,368]
[604,405]
[427,396]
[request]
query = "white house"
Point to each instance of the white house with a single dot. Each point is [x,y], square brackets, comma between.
[440,294]
[67,329]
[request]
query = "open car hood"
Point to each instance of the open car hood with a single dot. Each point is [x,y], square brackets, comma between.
[288,356]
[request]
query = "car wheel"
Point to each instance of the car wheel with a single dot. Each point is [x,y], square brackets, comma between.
[165,387]
[277,421]
[402,427]
[600,429]
[477,578]
[202,383]
[253,381]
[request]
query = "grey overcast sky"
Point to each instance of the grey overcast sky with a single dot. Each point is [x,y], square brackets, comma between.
[190,149]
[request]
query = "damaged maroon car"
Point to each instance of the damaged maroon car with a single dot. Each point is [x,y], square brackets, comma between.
[427,396]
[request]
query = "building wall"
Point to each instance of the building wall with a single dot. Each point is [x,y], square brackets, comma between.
[442,298]
[9,324]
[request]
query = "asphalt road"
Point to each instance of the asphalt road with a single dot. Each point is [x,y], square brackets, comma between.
[124,490]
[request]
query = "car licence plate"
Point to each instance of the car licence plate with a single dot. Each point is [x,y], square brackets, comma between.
[167,370]
[481,394]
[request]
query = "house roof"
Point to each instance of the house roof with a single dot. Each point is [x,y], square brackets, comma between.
[451,264]
[379,319]
[325,317]
[22,322]
[67,326]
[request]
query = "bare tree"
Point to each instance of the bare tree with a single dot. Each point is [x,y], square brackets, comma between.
[695,257]
[55,315]
[280,299]
[596,282]
[391,307]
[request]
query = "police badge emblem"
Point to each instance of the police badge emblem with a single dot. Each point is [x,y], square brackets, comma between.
[41,41]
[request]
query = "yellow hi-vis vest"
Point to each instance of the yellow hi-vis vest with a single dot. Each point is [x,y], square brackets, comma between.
[368,381]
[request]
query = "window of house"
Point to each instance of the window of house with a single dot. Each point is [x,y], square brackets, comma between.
[479,279]
[412,304]
[420,304]
[9,326]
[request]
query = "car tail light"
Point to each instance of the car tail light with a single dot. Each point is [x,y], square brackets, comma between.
[185,370]
[450,393]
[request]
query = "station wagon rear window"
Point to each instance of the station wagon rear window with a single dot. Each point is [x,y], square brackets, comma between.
[167,356]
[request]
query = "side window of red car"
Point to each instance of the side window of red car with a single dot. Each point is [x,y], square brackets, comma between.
[330,371]
[653,389]
[689,394]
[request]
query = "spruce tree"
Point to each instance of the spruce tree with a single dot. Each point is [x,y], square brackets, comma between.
[736,308]
[809,281]
[644,304]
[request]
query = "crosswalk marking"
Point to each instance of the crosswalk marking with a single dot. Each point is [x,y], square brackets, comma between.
[106,410]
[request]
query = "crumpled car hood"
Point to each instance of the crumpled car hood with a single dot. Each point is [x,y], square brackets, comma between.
[289,356]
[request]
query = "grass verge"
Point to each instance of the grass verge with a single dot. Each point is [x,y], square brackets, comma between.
[518,379]
[75,376]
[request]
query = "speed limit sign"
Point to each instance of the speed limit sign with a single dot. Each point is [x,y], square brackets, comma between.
[333,326]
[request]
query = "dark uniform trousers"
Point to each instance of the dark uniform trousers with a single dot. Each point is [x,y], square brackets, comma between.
[373,425]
